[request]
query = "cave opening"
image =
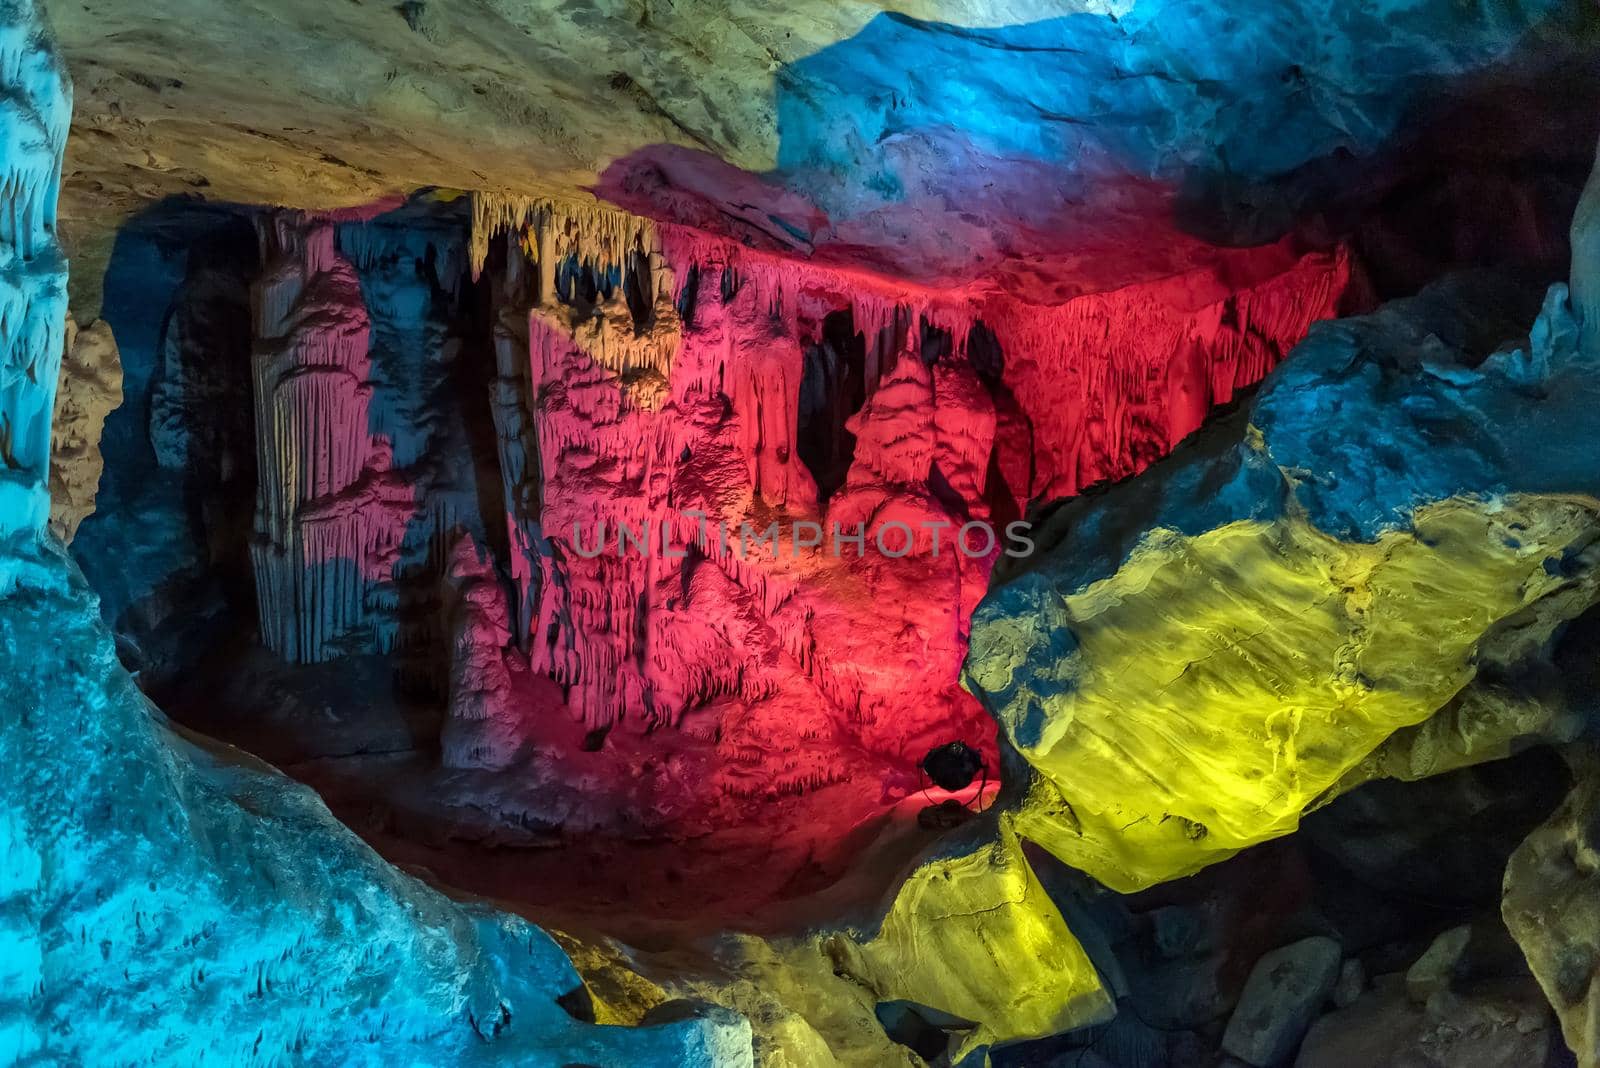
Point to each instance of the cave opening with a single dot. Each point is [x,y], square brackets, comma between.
[451,709]
[688,296]
[728,283]
[1009,473]
[936,343]
[986,356]
[409,386]
[926,1031]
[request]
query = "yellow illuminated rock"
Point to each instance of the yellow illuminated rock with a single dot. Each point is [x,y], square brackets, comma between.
[1216,687]
[1552,907]
[974,935]
[969,939]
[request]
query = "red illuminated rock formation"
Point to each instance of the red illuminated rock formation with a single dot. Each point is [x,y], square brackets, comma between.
[680,388]
[750,505]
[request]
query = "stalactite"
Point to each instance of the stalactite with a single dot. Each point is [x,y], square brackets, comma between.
[366,477]
[35,109]
[569,244]
[313,448]
[511,403]
[639,423]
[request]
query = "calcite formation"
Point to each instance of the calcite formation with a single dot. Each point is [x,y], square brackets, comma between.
[355,501]
[478,732]
[326,528]
[670,406]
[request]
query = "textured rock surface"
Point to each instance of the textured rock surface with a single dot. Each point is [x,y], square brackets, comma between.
[1434,970]
[403,98]
[699,687]
[1310,591]
[33,297]
[1495,1026]
[90,386]
[1437,380]
[1381,871]
[1280,999]
[1552,907]
[175,473]
[666,379]
[478,732]
[346,959]
[168,902]
[989,265]
[651,421]
[972,935]
[436,94]
[1417,858]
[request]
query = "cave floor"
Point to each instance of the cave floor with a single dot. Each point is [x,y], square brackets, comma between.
[559,836]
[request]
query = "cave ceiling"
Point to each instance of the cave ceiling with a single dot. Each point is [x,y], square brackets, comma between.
[1044,148]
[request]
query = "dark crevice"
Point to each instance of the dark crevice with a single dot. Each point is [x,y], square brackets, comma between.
[937,344]
[636,279]
[583,286]
[688,296]
[833,387]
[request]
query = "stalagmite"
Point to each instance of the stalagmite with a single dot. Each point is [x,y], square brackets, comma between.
[486,726]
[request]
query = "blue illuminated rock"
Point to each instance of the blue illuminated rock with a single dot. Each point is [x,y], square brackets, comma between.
[167,900]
